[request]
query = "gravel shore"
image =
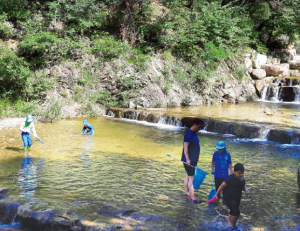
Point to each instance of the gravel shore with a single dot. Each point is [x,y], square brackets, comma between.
[11,122]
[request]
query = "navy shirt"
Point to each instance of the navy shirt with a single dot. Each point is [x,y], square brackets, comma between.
[193,148]
[234,188]
[221,160]
[89,129]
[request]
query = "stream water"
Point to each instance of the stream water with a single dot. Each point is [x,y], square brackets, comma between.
[123,169]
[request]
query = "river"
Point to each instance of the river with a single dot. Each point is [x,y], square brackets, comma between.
[122,175]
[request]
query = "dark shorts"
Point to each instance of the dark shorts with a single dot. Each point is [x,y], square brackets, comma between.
[234,206]
[190,171]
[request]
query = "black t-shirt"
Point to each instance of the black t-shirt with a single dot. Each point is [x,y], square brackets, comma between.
[234,187]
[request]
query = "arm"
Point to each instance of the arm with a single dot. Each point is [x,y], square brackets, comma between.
[230,168]
[186,152]
[245,189]
[222,186]
[212,167]
[230,163]
[83,129]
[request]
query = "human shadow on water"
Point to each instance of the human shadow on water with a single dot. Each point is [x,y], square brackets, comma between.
[14,149]
[28,176]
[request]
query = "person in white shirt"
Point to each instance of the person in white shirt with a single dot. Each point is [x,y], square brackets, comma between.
[27,128]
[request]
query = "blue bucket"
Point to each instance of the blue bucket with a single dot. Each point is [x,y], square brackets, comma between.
[199,178]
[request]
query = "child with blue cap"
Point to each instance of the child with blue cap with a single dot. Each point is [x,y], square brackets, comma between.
[27,128]
[87,128]
[221,162]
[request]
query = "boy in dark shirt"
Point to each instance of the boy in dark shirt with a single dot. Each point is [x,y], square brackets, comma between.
[233,187]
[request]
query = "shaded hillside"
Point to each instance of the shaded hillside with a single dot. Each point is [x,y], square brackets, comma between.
[98,53]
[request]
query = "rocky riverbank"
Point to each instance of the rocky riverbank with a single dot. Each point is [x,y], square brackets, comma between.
[10,122]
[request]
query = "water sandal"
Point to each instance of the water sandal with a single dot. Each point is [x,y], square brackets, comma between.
[187,196]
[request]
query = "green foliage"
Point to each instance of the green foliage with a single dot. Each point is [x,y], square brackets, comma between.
[240,73]
[126,82]
[89,109]
[53,110]
[15,9]
[80,16]
[37,85]
[5,30]
[41,49]
[109,48]
[17,108]
[208,33]
[139,59]
[104,98]
[14,74]
[186,101]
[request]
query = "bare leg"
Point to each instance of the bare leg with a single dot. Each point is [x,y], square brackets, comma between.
[186,185]
[232,220]
[191,187]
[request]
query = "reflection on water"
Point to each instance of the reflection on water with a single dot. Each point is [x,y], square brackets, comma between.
[122,175]
[28,176]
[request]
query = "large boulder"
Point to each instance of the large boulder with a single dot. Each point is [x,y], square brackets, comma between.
[259,85]
[259,61]
[280,136]
[272,69]
[258,74]
[294,64]
[246,130]
[221,127]
[286,69]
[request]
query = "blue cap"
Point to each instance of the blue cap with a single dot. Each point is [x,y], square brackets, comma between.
[29,119]
[220,145]
[85,122]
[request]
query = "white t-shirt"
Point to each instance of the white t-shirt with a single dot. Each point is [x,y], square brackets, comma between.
[29,129]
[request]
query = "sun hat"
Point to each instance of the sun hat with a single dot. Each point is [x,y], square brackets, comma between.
[238,167]
[85,122]
[220,145]
[29,119]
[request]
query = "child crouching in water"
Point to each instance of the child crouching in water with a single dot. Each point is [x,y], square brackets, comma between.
[233,187]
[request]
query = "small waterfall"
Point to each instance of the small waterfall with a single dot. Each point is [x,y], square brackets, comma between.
[170,120]
[264,92]
[272,93]
[282,89]
[110,113]
[297,94]
[132,115]
[264,134]
[161,120]
[295,140]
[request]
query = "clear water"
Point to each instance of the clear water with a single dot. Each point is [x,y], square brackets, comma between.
[285,115]
[124,167]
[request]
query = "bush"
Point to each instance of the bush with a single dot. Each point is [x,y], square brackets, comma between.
[5,30]
[53,111]
[18,108]
[109,48]
[126,82]
[14,73]
[45,48]
[40,48]
[38,84]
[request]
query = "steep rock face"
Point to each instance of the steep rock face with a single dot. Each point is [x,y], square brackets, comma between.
[151,86]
